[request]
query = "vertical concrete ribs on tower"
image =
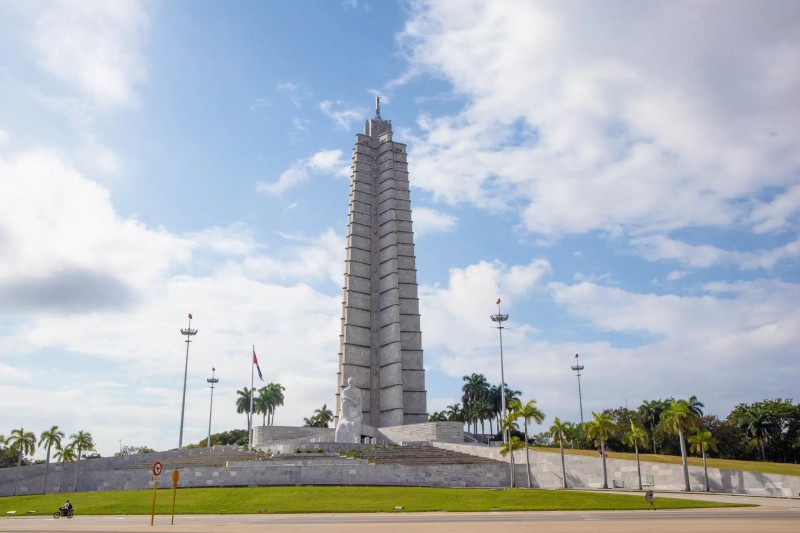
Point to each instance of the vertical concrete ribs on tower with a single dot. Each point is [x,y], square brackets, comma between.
[381,342]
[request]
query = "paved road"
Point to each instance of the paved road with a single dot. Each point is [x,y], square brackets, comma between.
[777,520]
[776,515]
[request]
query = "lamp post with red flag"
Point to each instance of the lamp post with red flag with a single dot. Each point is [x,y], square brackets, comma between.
[499,318]
[189,332]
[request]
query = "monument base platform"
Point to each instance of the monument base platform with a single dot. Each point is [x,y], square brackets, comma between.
[279,438]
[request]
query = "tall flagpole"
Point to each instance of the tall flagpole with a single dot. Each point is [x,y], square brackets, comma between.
[252,393]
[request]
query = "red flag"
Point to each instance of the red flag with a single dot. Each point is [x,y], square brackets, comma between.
[255,362]
[498,301]
[190,316]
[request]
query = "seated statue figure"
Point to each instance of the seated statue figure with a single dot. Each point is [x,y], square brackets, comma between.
[349,427]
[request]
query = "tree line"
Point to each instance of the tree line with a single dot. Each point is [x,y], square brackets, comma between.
[21,444]
[768,430]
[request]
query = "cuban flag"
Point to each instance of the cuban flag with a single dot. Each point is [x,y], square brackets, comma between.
[255,362]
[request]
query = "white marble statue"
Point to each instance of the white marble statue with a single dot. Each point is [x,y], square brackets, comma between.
[349,427]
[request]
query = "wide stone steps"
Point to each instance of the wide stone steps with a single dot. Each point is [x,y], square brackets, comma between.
[201,458]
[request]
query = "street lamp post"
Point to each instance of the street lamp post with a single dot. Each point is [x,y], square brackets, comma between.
[577,368]
[499,319]
[189,332]
[211,380]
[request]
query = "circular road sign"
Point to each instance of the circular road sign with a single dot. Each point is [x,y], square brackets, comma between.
[175,477]
[157,468]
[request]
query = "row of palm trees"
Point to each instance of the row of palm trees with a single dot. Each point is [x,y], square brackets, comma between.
[23,444]
[679,417]
[265,402]
[482,402]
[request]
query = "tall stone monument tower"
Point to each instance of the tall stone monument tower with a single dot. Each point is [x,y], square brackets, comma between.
[381,342]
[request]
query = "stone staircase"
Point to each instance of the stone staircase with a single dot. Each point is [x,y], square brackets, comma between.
[418,455]
[200,457]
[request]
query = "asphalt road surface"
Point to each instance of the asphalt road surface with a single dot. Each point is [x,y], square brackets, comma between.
[729,520]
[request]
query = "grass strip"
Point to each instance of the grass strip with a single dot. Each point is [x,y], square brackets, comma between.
[327,499]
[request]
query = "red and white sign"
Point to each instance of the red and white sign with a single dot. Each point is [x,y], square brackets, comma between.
[157,468]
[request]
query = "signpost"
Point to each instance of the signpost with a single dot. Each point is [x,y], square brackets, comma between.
[157,467]
[175,477]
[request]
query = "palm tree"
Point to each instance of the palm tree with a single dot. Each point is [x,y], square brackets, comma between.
[262,404]
[701,442]
[276,399]
[678,418]
[696,406]
[475,388]
[512,395]
[23,443]
[760,426]
[528,413]
[243,404]
[49,439]
[496,399]
[573,431]
[454,413]
[561,431]
[601,427]
[650,412]
[483,410]
[64,455]
[324,415]
[637,435]
[509,424]
[82,441]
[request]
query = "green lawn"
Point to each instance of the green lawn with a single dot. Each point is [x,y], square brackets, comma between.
[784,469]
[316,499]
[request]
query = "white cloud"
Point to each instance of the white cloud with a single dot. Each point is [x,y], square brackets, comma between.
[660,248]
[470,294]
[297,92]
[44,200]
[92,46]
[259,103]
[55,222]
[343,118]
[322,162]
[428,220]
[781,213]
[4,137]
[590,132]
[675,275]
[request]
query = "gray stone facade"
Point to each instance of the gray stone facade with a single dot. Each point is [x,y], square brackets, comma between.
[381,341]
[133,473]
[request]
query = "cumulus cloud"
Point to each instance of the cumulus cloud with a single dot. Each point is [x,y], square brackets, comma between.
[661,248]
[322,162]
[342,117]
[588,131]
[429,220]
[92,46]
[45,200]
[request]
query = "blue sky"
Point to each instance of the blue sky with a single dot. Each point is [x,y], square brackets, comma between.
[623,175]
